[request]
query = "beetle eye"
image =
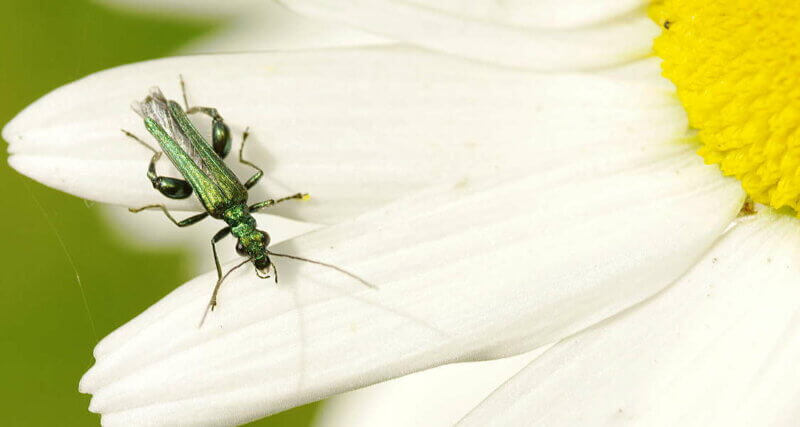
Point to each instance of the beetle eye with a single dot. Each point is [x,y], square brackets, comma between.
[266,238]
[262,264]
[240,248]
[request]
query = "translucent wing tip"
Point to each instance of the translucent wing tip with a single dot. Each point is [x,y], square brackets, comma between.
[138,108]
[155,101]
[155,93]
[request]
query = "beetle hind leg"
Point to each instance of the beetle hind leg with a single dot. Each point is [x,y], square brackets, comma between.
[173,188]
[220,132]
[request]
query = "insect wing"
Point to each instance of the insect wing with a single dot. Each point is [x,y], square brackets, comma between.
[181,152]
[209,161]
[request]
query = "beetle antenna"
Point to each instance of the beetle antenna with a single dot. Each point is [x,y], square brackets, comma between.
[325,264]
[213,301]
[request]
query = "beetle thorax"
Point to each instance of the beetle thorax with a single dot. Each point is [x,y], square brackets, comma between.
[241,222]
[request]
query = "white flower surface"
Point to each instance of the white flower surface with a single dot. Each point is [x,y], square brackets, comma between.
[719,348]
[434,397]
[512,33]
[496,207]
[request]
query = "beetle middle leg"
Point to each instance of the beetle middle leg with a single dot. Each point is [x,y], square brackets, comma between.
[253,180]
[194,219]
[173,188]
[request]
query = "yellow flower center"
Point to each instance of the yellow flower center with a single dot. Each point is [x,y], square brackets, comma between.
[736,64]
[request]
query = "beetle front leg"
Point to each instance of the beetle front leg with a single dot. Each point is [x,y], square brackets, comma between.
[271,202]
[221,234]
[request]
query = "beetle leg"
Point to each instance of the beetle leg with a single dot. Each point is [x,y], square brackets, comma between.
[210,112]
[220,132]
[267,203]
[221,234]
[253,180]
[183,91]
[140,141]
[194,219]
[173,188]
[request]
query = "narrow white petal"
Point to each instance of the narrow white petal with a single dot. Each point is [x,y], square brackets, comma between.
[467,270]
[355,128]
[249,26]
[720,347]
[643,70]
[151,228]
[434,397]
[525,13]
[619,38]
[538,13]
[269,26]
[272,32]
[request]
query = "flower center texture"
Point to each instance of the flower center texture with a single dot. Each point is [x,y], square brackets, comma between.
[736,65]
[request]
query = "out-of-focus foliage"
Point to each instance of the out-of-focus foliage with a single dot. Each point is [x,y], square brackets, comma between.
[49,238]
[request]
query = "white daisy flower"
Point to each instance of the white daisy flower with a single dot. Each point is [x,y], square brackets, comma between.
[509,177]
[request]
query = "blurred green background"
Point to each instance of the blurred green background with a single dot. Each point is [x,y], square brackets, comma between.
[50,238]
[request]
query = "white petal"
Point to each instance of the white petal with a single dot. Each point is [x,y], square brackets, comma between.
[251,34]
[354,128]
[253,26]
[491,34]
[469,270]
[720,347]
[151,228]
[642,71]
[538,13]
[435,397]
[269,26]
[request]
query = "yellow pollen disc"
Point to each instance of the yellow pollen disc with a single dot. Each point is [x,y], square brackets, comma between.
[736,64]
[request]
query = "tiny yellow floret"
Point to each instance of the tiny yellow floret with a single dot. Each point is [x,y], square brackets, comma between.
[736,64]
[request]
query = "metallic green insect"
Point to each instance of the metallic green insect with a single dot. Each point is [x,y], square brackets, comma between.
[222,194]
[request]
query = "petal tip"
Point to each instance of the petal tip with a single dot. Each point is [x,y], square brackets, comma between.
[88,382]
[93,406]
[13,160]
[11,131]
